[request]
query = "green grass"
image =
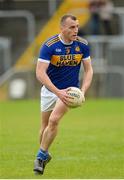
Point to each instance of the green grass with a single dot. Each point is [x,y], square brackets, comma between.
[90,143]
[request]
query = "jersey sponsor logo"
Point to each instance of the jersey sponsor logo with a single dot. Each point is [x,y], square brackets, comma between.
[66,60]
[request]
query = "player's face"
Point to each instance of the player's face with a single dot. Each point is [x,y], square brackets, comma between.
[70,30]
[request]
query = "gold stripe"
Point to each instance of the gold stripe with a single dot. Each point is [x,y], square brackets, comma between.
[84,41]
[52,40]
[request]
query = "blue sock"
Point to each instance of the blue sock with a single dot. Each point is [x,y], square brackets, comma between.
[43,155]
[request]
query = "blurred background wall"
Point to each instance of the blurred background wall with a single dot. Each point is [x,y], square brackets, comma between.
[26,24]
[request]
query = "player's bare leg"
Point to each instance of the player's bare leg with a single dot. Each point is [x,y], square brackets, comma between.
[51,130]
[48,136]
[44,122]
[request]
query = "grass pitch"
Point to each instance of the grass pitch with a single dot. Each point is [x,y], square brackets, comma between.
[90,143]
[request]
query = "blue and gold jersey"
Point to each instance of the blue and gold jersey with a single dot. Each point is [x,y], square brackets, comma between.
[64,60]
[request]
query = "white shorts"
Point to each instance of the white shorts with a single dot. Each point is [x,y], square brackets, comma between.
[48,99]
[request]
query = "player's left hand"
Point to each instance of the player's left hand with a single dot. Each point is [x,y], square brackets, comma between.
[62,94]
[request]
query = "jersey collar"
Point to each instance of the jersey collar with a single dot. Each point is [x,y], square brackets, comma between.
[63,41]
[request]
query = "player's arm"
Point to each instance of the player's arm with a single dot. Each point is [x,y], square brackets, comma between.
[88,74]
[42,76]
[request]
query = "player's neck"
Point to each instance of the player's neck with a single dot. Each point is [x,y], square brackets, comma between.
[64,40]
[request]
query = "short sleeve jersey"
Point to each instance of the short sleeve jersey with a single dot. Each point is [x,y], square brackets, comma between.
[64,60]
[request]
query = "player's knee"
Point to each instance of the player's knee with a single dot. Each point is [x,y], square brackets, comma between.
[53,122]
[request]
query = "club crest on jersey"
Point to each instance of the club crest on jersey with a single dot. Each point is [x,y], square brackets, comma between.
[67,50]
[77,49]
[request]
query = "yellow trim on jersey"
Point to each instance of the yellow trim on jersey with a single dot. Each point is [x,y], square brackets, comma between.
[66,60]
[84,41]
[52,41]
